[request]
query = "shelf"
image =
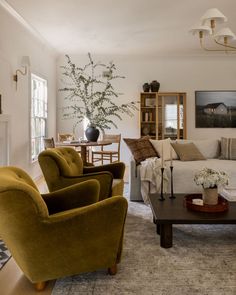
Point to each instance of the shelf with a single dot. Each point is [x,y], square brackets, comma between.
[142,107]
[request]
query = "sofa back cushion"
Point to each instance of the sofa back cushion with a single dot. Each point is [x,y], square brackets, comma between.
[164,146]
[188,152]
[228,148]
[209,148]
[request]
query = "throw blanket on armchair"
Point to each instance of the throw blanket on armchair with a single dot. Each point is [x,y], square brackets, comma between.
[150,175]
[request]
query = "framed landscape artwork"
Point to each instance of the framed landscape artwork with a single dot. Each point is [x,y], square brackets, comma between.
[215,109]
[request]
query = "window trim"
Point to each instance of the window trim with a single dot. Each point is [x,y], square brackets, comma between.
[43,79]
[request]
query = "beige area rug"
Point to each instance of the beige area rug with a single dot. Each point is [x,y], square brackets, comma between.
[202,261]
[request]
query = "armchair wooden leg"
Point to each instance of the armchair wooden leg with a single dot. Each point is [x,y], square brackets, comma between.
[112,270]
[40,286]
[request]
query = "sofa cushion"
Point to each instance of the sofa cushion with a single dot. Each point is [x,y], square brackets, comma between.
[228,148]
[188,152]
[141,148]
[167,148]
[210,148]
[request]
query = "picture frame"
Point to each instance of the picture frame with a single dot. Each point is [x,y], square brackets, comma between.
[215,109]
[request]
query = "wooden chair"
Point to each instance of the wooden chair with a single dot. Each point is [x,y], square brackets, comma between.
[65,137]
[68,137]
[108,155]
[49,143]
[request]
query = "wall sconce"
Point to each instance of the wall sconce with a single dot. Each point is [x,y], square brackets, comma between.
[25,63]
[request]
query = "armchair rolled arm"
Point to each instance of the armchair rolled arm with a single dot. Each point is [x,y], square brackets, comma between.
[74,196]
[117,169]
[105,180]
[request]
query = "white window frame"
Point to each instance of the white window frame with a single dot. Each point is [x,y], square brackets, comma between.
[38,116]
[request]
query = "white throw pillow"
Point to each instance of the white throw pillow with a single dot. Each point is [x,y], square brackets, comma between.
[167,148]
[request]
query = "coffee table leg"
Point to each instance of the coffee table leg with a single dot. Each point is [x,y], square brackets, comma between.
[166,236]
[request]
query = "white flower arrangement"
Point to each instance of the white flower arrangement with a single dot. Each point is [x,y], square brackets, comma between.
[210,178]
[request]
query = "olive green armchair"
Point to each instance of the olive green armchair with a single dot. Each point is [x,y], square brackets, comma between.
[59,234]
[63,167]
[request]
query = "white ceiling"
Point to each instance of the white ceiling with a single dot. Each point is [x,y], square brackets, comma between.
[132,27]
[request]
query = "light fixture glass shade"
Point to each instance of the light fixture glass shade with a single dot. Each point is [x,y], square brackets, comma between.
[224,32]
[25,61]
[200,28]
[213,14]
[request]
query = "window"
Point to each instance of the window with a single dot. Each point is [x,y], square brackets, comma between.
[171,116]
[38,114]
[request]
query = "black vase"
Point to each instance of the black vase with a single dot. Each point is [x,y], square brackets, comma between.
[92,133]
[146,87]
[155,86]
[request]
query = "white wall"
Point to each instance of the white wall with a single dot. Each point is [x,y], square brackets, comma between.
[185,74]
[17,41]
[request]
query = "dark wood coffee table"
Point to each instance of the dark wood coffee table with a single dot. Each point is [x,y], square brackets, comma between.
[172,211]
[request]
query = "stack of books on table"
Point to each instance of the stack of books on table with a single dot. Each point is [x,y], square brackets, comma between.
[229,193]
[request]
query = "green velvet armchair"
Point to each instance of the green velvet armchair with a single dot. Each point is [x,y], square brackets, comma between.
[62,233]
[63,167]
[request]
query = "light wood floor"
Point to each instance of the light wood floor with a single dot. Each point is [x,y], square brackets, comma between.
[12,280]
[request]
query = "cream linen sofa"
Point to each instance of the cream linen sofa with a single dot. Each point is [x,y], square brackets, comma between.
[183,172]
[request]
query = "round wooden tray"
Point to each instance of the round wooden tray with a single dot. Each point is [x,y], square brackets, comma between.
[222,205]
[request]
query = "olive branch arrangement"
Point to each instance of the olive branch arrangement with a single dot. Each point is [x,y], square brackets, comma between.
[91,95]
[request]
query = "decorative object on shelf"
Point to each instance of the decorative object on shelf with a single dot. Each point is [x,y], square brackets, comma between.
[154,86]
[222,38]
[25,63]
[190,203]
[145,130]
[92,133]
[210,180]
[146,87]
[90,95]
[150,102]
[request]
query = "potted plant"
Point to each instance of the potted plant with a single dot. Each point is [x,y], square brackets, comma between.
[210,180]
[91,95]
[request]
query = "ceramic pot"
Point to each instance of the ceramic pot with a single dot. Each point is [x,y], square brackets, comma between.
[210,196]
[92,133]
[146,87]
[155,86]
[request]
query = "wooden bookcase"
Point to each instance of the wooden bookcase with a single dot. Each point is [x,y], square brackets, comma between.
[163,115]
